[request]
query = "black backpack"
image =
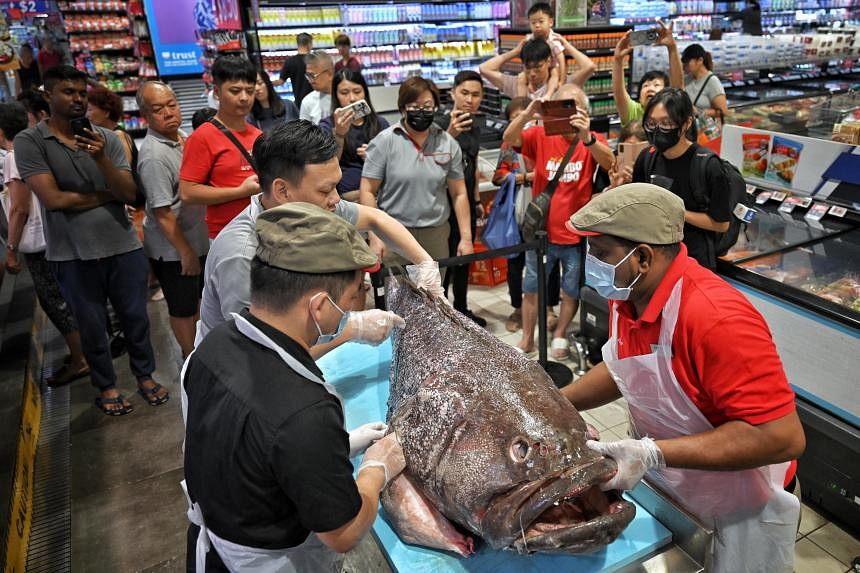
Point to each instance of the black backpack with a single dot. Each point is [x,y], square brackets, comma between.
[699,178]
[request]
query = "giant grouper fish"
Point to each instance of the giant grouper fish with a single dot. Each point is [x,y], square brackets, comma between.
[492,448]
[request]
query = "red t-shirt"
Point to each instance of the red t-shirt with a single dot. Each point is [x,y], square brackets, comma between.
[723,354]
[575,186]
[49,60]
[212,159]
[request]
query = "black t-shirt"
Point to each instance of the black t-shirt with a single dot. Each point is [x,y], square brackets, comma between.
[700,243]
[294,69]
[470,145]
[266,454]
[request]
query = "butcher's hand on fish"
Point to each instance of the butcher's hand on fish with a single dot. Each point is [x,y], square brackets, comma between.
[364,435]
[634,459]
[387,455]
[426,275]
[372,326]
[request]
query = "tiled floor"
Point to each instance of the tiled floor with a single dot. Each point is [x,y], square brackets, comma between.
[822,546]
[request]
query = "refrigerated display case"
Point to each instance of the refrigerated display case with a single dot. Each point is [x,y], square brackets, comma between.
[781,109]
[804,278]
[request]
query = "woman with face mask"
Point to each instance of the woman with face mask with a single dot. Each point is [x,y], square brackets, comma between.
[408,169]
[668,163]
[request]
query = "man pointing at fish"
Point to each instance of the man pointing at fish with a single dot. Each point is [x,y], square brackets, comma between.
[267,460]
[712,417]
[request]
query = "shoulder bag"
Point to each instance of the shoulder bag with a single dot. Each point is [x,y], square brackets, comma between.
[229,135]
[536,213]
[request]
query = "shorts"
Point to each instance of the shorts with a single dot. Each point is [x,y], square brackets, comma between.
[571,268]
[182,293]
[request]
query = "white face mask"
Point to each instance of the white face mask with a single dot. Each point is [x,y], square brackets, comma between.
[600,276]
[323,338]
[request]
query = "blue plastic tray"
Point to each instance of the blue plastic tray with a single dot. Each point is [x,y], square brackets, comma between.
[360,375]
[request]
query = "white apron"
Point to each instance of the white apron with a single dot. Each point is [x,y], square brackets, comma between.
[754,518]
[312,556]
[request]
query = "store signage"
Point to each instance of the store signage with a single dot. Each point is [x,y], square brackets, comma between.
[17,9]
[172,25]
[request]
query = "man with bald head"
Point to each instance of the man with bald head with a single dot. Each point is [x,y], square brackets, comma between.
[175,235]
[587,150]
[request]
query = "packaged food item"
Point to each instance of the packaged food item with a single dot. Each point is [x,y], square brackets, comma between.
[755,147]
[784,156]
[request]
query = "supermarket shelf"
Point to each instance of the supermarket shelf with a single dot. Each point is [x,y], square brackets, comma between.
[119,10]
[99,50]
[378,24]
[607,95]
[328,46]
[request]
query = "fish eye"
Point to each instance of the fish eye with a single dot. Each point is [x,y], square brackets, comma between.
[519,449]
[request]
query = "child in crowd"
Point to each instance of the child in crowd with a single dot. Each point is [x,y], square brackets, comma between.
[541,22]
[652,81]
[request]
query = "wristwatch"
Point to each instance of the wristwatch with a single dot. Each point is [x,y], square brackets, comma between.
[592,142]
[10,248]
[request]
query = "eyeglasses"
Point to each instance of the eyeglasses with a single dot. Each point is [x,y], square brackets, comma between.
[416,107]
[311,77]
[663,125]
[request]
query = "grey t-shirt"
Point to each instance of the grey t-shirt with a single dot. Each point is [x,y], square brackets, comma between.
[158,165]
[103,231]
[227,276]
[414,181]
[713,88]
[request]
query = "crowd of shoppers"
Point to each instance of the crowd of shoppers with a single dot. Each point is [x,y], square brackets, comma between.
[419,173]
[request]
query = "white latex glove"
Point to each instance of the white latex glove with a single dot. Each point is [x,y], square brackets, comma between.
[386,454]
[634,458]
[426,275]
[374,325]
[361,437]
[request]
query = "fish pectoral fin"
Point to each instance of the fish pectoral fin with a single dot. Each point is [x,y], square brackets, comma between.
[417,521]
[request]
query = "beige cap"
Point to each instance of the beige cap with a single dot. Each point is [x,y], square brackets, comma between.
[305,238]
[639,212]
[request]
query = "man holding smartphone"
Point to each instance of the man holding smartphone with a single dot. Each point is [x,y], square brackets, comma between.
[574,190]
[463,124]
[83,179]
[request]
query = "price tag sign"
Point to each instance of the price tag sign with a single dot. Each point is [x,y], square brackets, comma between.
[778,196]
[15,9]
[838,211]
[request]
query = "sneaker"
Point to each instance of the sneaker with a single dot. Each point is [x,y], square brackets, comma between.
[474,318]
[157,296]
[551,319]
[515,321]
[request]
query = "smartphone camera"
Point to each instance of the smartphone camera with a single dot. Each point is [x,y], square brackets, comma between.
[644,37]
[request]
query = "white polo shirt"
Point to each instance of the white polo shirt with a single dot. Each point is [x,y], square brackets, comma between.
[227,276]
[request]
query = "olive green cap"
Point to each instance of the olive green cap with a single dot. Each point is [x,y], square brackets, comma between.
[305,238]
[639,212]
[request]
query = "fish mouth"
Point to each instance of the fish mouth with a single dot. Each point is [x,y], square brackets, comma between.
[566,513]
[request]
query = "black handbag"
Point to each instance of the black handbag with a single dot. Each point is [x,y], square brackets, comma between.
[534,219]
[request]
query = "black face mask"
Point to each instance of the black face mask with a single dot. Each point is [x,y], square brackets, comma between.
[419,119]
[663,140]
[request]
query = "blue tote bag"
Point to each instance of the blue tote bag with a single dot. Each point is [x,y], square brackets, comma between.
[501,229]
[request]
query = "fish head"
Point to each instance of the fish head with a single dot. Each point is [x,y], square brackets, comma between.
[509,462]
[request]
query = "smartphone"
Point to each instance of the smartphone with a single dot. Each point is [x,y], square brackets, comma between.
[644,37]
[556,116]
[359,108]
[79,124]
[628,152]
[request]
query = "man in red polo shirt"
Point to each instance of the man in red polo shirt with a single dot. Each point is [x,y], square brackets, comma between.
[573,191]
[712,417]
[215,172]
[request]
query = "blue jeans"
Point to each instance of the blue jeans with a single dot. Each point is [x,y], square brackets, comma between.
[86,286]
[571,268]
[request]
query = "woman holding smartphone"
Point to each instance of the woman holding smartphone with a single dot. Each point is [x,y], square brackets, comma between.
[351,128]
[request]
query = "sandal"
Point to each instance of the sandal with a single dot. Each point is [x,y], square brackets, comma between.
[121,411]
[65,375]
[560,348]
[150,395]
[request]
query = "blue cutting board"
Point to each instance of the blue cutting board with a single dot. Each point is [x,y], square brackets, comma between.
[360,375]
